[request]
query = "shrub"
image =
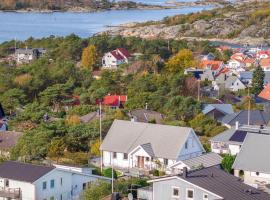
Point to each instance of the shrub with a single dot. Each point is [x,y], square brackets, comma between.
[227,163]
[108,173]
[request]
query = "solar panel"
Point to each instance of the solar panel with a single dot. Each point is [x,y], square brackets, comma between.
[238,136]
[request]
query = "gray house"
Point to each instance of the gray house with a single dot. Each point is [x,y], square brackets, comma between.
[28,54]
[217,111]
[205,184]
[231,140]
[145,115]
[252,164]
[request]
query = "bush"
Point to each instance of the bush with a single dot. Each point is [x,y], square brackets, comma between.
[108,173]
[97,190]
[227,163]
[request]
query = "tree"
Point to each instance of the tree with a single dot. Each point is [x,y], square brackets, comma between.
[89,57]
[97,190]
[257,81]
[95,148]
[227,163]
[56,149]
[183,59]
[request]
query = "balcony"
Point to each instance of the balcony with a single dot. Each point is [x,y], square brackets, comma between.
[13,193]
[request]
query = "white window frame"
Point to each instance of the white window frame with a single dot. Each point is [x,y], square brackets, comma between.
[173,188]
[189,189]
[204,197]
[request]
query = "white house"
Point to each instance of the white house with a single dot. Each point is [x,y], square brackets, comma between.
[27,55]
[35,182]
[232,83]
[148,146]
[252,164]
[112,59]
[231,140]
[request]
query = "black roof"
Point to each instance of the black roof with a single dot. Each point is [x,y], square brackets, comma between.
[23,171]
[238,136]
[223,184]
[2,113]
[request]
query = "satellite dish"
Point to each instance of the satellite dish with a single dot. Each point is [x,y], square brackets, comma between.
[130,196]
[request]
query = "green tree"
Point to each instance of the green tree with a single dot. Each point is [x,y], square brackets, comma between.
[89,57]
[227,163]
[257,81]
[97,190]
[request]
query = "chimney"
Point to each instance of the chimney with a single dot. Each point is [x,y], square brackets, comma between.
[236,125]
[212,174]
[185,172]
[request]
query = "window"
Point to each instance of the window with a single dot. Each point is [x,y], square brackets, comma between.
[190,194]
[44,185]
[147,159]
[257,173]
[175,192]
[205,196]
[61,197]
[165,161]
[7,183]
[186,145]
[125,156]
[52,183]
[114,154]
[84,186]
[61,181]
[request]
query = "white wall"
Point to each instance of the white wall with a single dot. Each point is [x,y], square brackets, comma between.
[193,149]
[119,161]
[234,149]
[27,189]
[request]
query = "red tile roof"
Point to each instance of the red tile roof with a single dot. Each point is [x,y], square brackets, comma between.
[214,64]
[114,100]
[265,62]
[117,55]
[124,52]
[265,93]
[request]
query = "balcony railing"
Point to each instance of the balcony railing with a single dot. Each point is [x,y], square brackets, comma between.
[13,193]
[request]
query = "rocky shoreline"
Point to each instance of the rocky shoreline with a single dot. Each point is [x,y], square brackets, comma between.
[225,26]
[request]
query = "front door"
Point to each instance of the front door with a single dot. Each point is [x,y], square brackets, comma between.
[140,161]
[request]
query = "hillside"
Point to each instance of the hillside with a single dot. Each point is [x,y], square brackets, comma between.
[240,23]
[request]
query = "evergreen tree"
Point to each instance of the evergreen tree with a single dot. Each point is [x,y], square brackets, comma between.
[257,81]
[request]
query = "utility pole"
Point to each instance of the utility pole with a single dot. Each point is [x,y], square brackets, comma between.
[199,90]
[248,106]
[100,135]
[112,171]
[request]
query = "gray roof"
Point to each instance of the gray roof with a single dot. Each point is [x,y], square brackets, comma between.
[206,160]
[254,154]
[22,171]
[145,115]
[89,117]
[166,141]
[248,75]
[237,136]
[223,184]
[26,51]
[257,117]
[224,108]
[148,149]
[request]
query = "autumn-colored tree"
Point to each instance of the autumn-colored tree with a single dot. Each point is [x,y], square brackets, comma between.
[95,151]
[23,79]
[56,149]
[73,120]
[183,59]
[89,57]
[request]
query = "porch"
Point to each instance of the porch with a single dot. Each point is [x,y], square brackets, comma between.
[10,193]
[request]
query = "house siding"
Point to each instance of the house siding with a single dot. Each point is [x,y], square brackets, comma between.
[162,190]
